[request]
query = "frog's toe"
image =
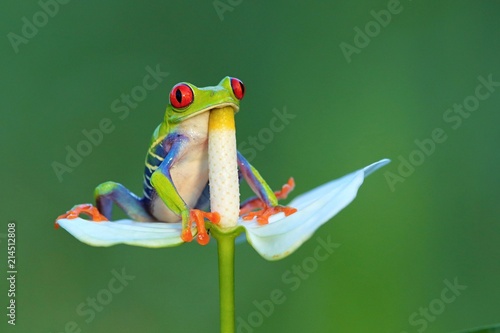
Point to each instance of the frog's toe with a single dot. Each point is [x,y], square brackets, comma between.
[285,189]
[198,217]
[264,214]
[86,209]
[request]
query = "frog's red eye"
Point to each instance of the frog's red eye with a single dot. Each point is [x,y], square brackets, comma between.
[238,88]
[181,96]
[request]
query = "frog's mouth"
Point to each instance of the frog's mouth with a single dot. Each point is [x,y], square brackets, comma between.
[211,108]
[178,117]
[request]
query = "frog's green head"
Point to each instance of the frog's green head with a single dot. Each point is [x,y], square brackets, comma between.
[187,100]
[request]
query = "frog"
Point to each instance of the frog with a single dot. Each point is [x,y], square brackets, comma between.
[176,173]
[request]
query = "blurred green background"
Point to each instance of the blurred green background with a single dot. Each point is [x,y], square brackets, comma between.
[398,245]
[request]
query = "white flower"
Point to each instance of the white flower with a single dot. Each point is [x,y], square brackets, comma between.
[273,241]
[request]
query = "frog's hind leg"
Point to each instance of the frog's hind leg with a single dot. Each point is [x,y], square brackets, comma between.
[110,192]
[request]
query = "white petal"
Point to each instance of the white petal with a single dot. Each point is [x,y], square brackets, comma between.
[147,234]
[283,235]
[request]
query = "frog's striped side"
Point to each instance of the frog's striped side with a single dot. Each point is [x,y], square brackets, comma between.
[155,156]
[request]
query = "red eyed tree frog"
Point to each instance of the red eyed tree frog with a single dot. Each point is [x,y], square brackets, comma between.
[176,168]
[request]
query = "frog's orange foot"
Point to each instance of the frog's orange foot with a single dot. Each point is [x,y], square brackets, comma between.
[198,217]
[264,214]
[257,203]
[86,209]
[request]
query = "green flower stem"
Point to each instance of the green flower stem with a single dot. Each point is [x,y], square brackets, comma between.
[225,248]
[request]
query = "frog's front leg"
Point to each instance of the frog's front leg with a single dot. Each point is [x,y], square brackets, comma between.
[163,184]
[266,199]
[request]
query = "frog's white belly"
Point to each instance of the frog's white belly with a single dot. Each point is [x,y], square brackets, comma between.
[190,172]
